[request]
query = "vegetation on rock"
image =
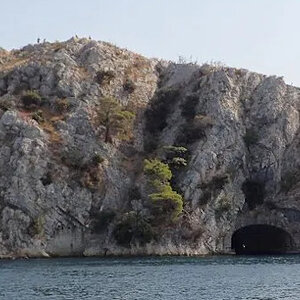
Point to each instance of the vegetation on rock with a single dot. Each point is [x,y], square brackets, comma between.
[101,220]
[157,114]
[133,227]
[129,86]
[115,119]
[105,76]
[165,201]
[30,98]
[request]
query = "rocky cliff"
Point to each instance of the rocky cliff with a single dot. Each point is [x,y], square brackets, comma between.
[67,188]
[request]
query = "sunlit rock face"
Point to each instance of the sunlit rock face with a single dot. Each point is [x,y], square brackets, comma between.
[241,130]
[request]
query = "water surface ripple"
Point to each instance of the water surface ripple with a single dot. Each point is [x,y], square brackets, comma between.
[166,278]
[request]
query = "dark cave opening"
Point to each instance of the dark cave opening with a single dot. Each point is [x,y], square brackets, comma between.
[261,239]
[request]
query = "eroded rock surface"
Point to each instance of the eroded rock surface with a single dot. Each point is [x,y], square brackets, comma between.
[241,130]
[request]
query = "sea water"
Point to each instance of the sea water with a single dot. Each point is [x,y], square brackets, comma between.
[151,278]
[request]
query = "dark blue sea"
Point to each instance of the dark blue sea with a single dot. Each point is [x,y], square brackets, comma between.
[165,278]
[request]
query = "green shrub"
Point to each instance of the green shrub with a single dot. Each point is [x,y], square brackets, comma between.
[133,228]
[30,98]
[98,159]
[105,76]
[175,156]
[172,151]
[178,162]
[5,105]
[102,220]
[38,116]
[167,202]
[157,170]
[62,105]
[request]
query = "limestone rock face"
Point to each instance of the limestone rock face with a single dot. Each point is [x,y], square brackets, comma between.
[241,130]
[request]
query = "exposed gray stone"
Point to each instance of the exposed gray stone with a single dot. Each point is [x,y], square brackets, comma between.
[51,186]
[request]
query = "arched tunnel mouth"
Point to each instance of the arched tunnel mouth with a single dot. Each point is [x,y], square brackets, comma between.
[260,240]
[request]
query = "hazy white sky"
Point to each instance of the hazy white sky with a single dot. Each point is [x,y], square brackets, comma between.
[260,35]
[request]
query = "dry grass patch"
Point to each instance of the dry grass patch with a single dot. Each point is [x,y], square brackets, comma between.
[14,63]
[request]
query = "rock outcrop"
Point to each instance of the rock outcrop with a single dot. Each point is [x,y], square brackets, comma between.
[64,191]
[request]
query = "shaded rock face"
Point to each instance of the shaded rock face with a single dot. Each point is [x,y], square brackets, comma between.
[241,130]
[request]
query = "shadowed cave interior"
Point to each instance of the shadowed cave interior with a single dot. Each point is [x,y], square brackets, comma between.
[261,239]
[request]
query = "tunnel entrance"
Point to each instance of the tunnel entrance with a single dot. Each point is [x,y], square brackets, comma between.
[261,239]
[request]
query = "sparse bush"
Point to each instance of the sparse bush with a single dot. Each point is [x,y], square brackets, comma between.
[160,107]
[133,228]
[91,177]
[194,130]
[101,220]
[31,98]
[62,105]
[129,86]
[190,134]
[73,157]
[173,151]
[38,225]
[217,183]
[213,187]
[5,105]
[157,114]
[98,159]
[223,206]
[38,116]
[103,77]
[178,162]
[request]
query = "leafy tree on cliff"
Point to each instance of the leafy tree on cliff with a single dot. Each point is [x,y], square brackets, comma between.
[115,119]
[166,202]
